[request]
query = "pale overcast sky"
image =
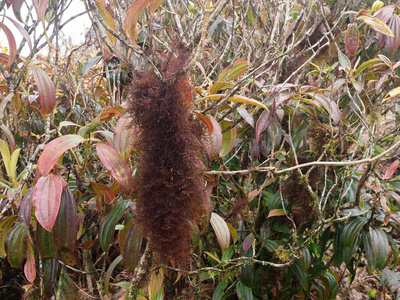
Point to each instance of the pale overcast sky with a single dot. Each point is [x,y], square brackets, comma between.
[75,30]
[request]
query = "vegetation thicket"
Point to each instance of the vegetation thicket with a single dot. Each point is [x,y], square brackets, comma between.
[206,149]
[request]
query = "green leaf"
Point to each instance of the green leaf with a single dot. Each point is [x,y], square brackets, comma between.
[219,291]
[16,244]
[244,292]
[90,64]
[366,64]
[300,274]
[68,288]
[130,243]
[344,61]
[50,270]
[227,255]
[5,227]
[395,249]
[330,284]
[228,138]
[107,227]
[352,229]
[110,269]
[13,163]
[380,247]
[65,229]
[45,242]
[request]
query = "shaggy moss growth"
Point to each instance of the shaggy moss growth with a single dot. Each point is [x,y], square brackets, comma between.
[169,188]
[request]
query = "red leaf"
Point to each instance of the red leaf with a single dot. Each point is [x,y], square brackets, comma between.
[11,45]
[385,13]
[53,150]
[29,268]
[47,91]
[118,168]
[352,39]
[248,242]
[262,124]
[124,137]
[41,7]
[276,212]
[246,116]
[393,43]
[221,231]
[46,200]
[9,136]
[206,121]
[213,143]
[132,16]
[185,92]
[26,207]
[4,58]
[390,171]
[23,32]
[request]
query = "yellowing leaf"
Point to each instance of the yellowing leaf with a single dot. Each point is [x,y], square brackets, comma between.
[108,19]
[377,25]
[132,17]
[13,164]
[236,98]
[220,85]
[154,4]
[239,68]
[393,93]
[5,154]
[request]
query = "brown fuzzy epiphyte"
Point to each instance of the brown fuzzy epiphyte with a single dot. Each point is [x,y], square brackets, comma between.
[296,192]
[170,191]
